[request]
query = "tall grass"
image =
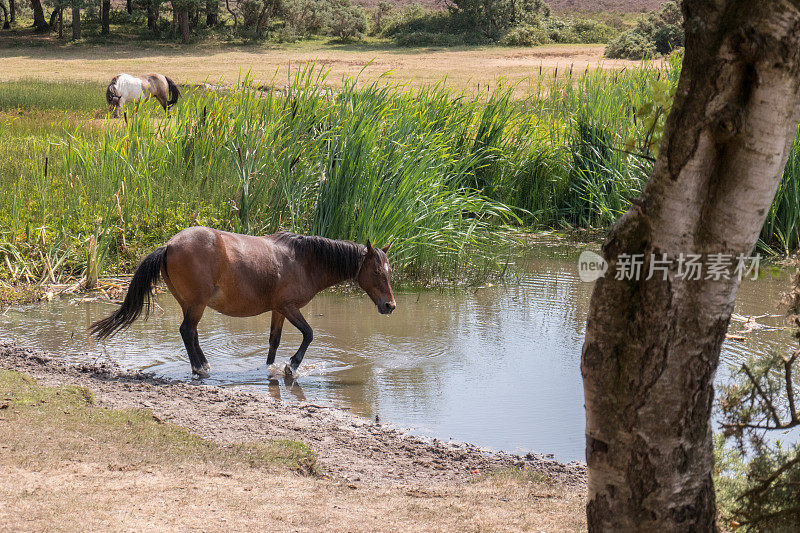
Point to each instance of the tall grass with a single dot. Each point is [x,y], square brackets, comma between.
[36,95]
[439,174]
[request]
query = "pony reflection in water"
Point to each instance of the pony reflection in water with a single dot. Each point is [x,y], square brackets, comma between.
[244,275]
[126,88]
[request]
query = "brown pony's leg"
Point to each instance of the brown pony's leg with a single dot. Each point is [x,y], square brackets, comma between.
[297,320]
[188,329]
[275,328]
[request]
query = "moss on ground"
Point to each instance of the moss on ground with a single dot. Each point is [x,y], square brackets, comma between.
[75,428]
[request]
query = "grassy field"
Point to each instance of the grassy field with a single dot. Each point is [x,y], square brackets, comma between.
[438,173]
[471,69]
[445,174]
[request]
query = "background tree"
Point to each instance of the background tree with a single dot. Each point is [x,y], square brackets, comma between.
[76,19]
[652,345]
[105,9]
[6,23]
[212,13]
[38,16]
[758,480]
[180,15]
[153,11]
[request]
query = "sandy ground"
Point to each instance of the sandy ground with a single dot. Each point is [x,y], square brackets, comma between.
[375,478]
[467,69]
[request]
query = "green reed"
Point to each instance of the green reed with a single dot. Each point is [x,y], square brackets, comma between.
[445,177]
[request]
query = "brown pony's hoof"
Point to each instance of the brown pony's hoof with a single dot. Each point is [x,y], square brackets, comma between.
[288,372]
[202,372]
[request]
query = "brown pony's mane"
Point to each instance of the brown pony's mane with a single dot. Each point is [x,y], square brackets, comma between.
[342,258]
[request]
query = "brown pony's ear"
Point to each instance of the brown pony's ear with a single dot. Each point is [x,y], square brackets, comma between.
[386,248]
[370,249]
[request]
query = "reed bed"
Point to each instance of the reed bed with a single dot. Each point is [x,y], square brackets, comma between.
[446,177]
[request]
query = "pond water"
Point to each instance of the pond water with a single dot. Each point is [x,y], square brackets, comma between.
[497,366]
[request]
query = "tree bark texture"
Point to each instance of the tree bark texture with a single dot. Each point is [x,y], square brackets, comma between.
[652,346]
[38,16]
[105,10]
[12,7]
[152,16]
[76,22]
[183,21]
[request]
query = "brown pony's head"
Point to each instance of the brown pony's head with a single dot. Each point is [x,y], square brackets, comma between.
[373,277]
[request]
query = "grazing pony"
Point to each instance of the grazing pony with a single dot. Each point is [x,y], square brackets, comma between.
[125,87]
[244,275]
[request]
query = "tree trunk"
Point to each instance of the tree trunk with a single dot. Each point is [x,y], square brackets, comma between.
[105,10]
[53,18]
[6,24]
[183,21]
[76,22]
[61,23]
[38,16]
[152,16]
[212,12]
[652,346]
[12,7]
[233,15]
[129,6]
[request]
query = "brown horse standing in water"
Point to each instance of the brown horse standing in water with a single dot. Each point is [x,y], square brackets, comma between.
[243,275]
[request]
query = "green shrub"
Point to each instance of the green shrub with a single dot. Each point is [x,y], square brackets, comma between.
[306,17]
[668,38]
[658,32]
[526,35]
[286,34]
[592,31]
[347,21]
[630,45]
[380,17]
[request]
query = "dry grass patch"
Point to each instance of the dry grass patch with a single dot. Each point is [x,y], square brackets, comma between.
[69,465]
[78,431]
[467,68]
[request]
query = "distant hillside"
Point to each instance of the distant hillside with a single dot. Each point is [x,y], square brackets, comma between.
[620,6]
[559,6]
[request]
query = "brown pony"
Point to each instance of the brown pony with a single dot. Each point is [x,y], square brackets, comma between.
[125,87]
[243,275]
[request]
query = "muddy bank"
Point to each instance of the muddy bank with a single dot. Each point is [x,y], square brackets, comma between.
[348,447]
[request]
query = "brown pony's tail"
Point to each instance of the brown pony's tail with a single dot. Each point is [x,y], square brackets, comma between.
[144,279]
[174,93]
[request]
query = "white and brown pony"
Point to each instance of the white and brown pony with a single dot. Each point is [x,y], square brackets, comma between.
[126,88]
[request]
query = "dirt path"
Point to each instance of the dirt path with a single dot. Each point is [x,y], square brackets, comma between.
[348,447]
[464,68]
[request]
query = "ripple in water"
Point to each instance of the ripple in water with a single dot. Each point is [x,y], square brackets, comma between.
[497,366]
